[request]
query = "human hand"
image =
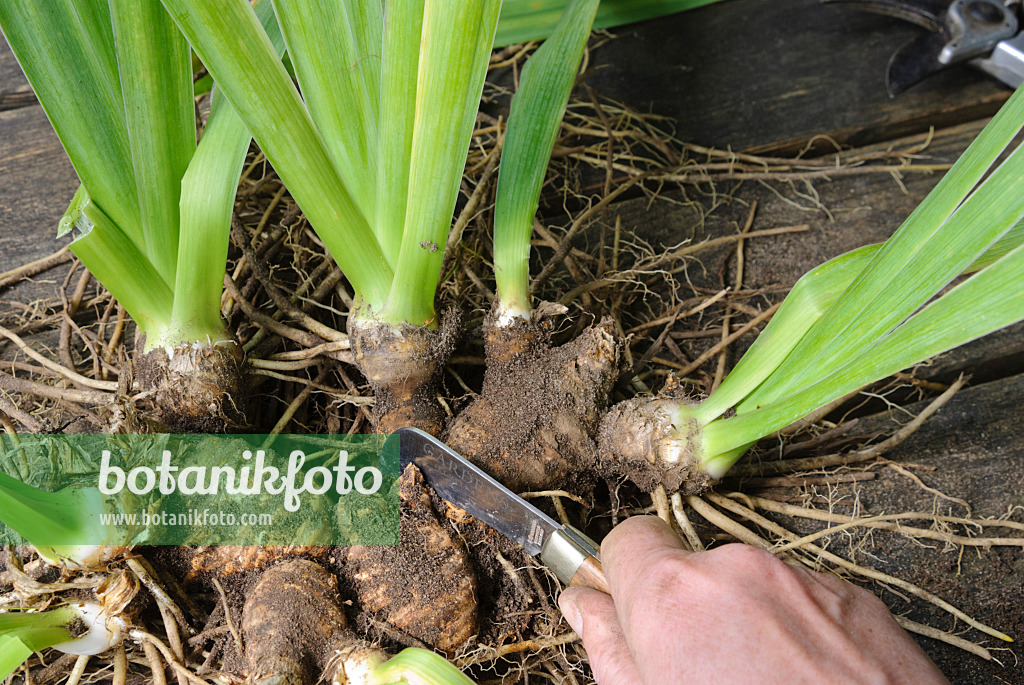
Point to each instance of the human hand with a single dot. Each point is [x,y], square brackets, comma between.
[734,614]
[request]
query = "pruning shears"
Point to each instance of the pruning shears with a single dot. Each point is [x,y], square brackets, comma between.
[986,34]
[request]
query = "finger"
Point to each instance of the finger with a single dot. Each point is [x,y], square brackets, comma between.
[642,559]
[640,532]
[636,538]
[592,615]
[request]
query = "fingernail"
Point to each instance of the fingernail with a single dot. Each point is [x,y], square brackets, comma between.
[571,613]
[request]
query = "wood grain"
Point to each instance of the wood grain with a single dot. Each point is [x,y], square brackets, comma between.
[590,574]
[972,448]
[767,75]
[851,212]
[36,184]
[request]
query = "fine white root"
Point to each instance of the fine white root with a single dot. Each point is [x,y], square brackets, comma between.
[865,571]
[683,521]
[942,636]
[886,522]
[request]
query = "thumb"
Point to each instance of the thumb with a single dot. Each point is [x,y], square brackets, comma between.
[592,615]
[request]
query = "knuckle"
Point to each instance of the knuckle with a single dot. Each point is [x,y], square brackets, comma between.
[860,598]
[843,601]
[666,588]
[844,590]
[666,570]
[747,557]
[669,581]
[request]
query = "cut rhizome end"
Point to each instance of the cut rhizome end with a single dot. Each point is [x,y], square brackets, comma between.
[653,441]
[426,586]
[296,632]
[534,424]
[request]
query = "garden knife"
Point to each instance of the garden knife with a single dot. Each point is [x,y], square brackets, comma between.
[571,555]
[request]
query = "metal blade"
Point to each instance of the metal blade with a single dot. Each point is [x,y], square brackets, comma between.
[466,486]
[916,61]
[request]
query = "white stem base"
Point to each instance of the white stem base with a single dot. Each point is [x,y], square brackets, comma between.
[104,632]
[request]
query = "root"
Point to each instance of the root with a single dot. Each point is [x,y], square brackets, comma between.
[11,411]
[154,649]
[742,533]
[486,654]
[31,269]
[860,456]
[156,667]
[942,636]
[888,522]
[227,616]
[864,571]
[169,611]
[683,521]
[70,374]
[299,400]
[728,340]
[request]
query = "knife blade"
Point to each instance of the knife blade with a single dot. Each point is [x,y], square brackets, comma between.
[572,556]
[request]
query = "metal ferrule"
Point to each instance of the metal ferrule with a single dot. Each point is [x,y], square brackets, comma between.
[565,551]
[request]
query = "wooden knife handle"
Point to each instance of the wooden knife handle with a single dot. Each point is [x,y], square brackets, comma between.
[590,574]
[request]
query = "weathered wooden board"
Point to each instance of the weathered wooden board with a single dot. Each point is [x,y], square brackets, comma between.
[848,212]
[38,178]
[763,75]
[14,89]
[36,184]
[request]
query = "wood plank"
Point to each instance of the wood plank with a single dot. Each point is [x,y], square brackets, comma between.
[38,183]
[14,89]
[768,75]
